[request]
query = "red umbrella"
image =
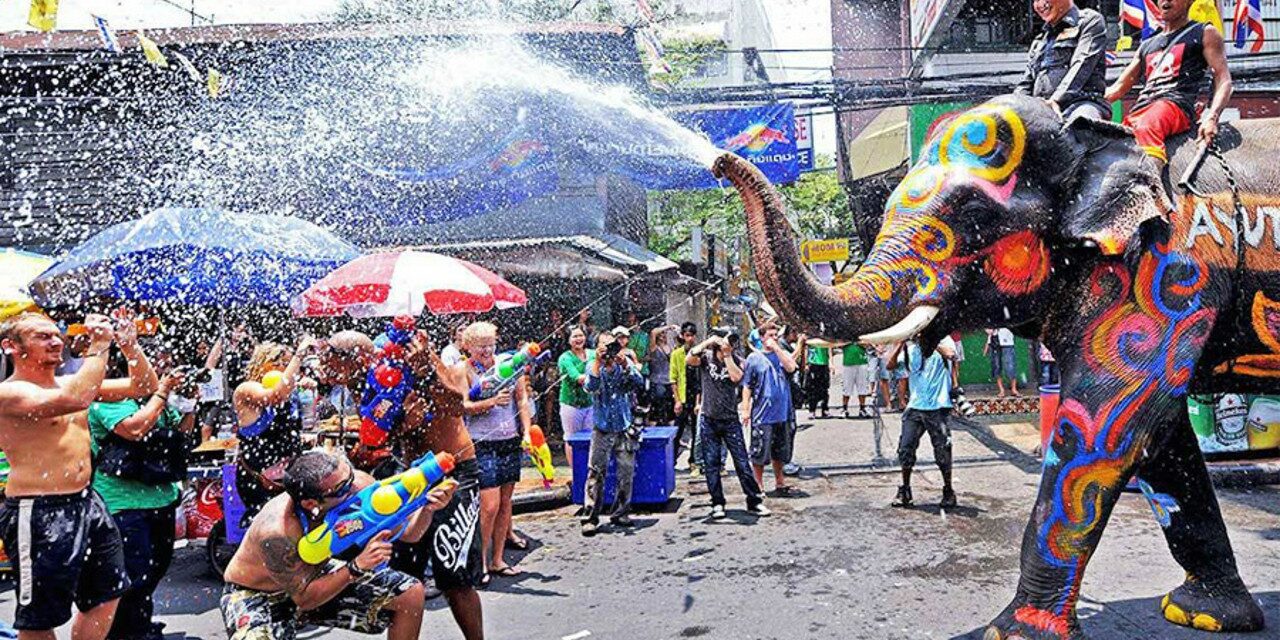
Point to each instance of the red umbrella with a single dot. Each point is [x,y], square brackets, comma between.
[404,282]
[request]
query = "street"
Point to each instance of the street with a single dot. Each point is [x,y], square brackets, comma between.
[835,562]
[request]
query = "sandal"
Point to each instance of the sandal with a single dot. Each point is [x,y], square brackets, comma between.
[507,572]
[518,543]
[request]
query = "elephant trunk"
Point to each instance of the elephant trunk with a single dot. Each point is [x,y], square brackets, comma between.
[798,297]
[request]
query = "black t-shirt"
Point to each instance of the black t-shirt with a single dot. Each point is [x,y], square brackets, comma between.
[719,392]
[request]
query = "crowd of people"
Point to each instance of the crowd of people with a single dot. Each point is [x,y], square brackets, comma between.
[118,419]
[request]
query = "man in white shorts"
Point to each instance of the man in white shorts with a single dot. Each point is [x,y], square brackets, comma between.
[857,379]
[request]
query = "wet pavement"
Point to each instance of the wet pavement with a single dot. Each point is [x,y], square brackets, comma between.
[834,562]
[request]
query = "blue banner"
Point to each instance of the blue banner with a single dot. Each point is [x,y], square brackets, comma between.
[766,136]
[430,173]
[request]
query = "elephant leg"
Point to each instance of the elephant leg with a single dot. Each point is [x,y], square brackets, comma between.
[1176,482]
[1085,469]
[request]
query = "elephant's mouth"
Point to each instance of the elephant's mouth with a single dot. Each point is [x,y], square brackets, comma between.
[905,329]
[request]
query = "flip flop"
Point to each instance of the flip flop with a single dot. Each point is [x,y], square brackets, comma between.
[506,572]
[519,543]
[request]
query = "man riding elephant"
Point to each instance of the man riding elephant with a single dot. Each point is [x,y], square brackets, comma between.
[1063,232]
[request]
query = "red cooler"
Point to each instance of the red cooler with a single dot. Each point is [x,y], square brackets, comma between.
[1048,412]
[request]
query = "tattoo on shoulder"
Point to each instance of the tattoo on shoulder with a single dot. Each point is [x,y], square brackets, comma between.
[280,555]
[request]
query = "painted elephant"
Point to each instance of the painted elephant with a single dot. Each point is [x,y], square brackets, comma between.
[1013,218]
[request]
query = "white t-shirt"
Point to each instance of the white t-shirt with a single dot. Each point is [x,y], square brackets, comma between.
[451,355]
[1005,337]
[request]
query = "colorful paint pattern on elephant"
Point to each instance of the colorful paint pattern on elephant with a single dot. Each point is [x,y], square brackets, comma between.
[1142,348]
[982,147]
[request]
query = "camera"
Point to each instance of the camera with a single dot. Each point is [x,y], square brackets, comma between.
[193,377]
[612,350]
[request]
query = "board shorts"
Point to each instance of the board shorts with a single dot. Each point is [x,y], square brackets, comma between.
[452,542]
[1155,123]
[65,550]
[499,461]
[769,443]
[361,607]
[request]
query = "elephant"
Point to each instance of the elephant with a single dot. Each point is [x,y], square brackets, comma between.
[1063,232]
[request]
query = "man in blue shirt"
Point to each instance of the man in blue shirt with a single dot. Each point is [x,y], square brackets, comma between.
[611,379]
[766,406]
[927,410]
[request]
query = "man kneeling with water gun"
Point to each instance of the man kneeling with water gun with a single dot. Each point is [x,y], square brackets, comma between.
[283,575]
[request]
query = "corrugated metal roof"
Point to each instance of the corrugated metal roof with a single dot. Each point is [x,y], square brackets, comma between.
[614,250]
[89,39]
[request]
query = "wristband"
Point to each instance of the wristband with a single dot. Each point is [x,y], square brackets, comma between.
[357,574]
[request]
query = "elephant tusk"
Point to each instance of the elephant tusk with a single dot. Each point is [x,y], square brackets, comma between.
[907,328]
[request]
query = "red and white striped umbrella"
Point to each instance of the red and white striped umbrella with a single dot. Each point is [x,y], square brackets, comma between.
[404,282]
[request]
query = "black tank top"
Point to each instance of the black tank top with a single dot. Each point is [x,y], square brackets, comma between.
[281,440]
[1174,68]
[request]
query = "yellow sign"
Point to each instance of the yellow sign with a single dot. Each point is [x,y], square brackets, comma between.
[43,14]
[824,250]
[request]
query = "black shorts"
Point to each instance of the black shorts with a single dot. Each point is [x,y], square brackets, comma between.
[499,462]
[452,542]
[915,423]
[65,549]
[770,443]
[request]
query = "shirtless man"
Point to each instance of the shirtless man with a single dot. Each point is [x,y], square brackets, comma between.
[452,542]
[44,435]
[270,591]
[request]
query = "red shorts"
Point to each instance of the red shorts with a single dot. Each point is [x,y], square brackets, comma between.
[1154,123]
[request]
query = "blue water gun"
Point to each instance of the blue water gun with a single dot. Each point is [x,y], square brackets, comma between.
[383,506]
[505,372]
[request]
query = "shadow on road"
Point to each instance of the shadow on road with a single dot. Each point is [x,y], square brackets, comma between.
[983,434]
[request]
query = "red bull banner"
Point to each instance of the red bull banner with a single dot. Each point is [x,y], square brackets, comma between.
[764,135]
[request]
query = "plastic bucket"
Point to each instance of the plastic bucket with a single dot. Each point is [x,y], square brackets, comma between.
[1200,410]
[1048,411]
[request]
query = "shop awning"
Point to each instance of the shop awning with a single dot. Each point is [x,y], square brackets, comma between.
[604,256]
[882,145]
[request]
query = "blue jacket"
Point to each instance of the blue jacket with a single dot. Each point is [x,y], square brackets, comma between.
[611,396]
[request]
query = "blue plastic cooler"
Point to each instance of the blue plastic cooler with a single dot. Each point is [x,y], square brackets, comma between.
[655,478]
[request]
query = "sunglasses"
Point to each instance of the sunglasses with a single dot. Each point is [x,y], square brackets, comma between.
[343,489]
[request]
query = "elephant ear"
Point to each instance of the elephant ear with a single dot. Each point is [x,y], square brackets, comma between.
[1114,188]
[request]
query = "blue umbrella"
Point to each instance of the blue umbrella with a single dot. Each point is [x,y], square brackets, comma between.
[195,256]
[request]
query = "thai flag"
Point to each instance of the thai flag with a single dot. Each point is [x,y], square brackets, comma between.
[1111,58]
[1141,14]
[109,41]
[1248,18]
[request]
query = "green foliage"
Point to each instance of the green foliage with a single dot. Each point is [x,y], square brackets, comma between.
[816,204]
[687,58]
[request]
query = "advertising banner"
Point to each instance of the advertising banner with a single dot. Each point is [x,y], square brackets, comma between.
[764,135]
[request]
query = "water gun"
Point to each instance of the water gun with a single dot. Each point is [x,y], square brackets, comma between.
[387,385]
[506,371]
[383,506]
[536,447]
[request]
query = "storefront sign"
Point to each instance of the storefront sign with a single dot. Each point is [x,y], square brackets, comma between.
[812,251]
[804,141]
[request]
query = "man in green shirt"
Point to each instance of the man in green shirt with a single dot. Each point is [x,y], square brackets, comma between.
[639,342]
[144,512]
[857,378]
[818,380]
